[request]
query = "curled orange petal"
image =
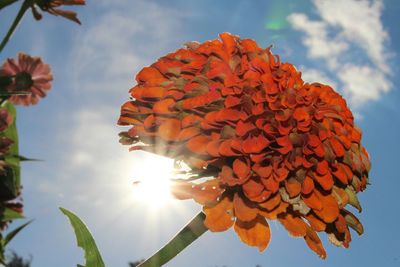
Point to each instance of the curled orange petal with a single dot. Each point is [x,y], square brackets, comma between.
[255,233]
[242,211]
[220,216]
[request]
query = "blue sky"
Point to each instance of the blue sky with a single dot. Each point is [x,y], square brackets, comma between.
[353,45]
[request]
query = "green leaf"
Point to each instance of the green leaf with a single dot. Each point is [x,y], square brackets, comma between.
[12,178]
[7,214]
[23,158]
[193,230]
[85,241]
[14,232]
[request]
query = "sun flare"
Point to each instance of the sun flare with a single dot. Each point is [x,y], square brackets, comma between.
[152,181]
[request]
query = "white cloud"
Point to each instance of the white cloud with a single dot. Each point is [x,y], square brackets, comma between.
[350,38]
[363,83]
[121,41]
[360,22]
[313,75]
[317,40]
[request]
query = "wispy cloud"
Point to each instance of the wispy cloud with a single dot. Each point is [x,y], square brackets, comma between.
[350,39]
[121,40]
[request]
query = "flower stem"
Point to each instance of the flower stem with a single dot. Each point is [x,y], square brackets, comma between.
[25,5]
[193,230]
[5,3]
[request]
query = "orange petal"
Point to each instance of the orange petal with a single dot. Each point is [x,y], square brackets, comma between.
[241,168]
[201,100]
[191,120]
[322,167]
[219,217]
[280,174]
[255,233]
[293,187]
[307,186]
[242,211]
[315,222]
[300,114]
[340,174]
[207,192]
[226,149]
[330,208]
[270,184]
[231,101]
[149,92]
[229,41]
[294,225]
[271,203]
[170,129]
[198,144]
[340,224]
[325,181]
[252,189]
[149,122]
[255,144]
[228,114]
[163,106]
[273,214]
[249,45]
[286,144]
[314,243]
[337,147]
[188,133]
[262,171]
[226,176]
[242,128]
[313,201]
[148,73]
[213,148]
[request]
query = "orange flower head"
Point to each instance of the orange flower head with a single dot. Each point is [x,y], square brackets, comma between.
[263,144]
[51,6]
[30,77]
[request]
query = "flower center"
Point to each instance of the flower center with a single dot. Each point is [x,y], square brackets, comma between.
[23,81]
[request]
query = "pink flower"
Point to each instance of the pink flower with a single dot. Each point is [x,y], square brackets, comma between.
[51,6]
[31,77]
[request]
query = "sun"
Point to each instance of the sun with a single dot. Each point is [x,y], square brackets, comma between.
[151,181]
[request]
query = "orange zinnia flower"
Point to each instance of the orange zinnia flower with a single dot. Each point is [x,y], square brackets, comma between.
[50,6]
[270,146]
[30,76]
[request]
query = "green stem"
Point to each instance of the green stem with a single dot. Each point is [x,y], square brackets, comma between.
[184,238]
[21,12]
[5,3]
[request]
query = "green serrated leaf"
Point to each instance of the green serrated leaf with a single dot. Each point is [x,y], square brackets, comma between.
[85,241]
[7,214]
[14,232]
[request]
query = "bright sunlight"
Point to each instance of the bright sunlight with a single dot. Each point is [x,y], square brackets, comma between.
[151,181]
